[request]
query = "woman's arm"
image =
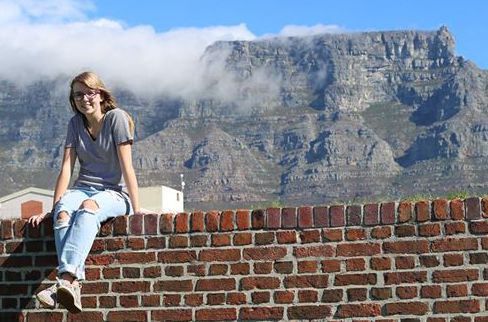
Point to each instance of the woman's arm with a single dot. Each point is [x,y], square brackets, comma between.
[125,159]
[67,166]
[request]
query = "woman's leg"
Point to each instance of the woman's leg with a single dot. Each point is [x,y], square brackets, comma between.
[84,227]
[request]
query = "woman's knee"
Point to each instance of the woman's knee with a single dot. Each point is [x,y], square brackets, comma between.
[62,219]
[89,205]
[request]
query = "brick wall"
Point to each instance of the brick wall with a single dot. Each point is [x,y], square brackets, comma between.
[377,262]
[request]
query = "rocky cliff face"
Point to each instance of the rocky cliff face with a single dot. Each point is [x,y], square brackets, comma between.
[303,120]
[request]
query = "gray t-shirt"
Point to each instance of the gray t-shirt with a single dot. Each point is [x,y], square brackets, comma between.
[99,162]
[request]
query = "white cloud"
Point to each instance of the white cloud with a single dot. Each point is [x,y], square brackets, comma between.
[292,30]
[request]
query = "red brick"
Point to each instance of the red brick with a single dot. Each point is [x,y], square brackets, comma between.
[267,253]
[457,227]
[310,236]
[358,249]
[478,227]
[305,217]
[353,215]
[132,315]
[260,297]
[95,259]
[220,314]
[135,243]
[197,223]
[313,251]
[289,217]
[92,273]
[457,306]
[170,315]
[193,299]
[283,297]
[128,301]
[307,267]
[6,229]
[283,267]
[218,269]
[135,257]
[429,261]
[242,239]
[286,237]
[94,288]
[381,232]
[479,289]
[181,222]
[216,284]
[484,207]
[307,296]
[332,296]
[220,255]
[198,240]
[261,313]
[357,294]
[422,211]
[321,217]
[243,219]
[177,256]
[453,260]
[404,212]
[371,217]
[136,224]
[406,292]
[440,209]
[355,264]
[457,209]
[410,277]
[406,308]
[405,230]
[178,241]
[174,271]
[130,286]
[173,286]
[227,220]
[406,247]
[196,270]
[273,217]
[263,267]
[236,298]
[429,229]
[404,262]
[151,224]
[454,244]
[220,240]
[150,300]
[353,234]
[380,263]
[107,301]
[166,223]
[258,219]
[84,316]
[431,291]
[455,275]
[115,243]
[473,208]
[337,216]
[111,272]
[215,298]
[34,316]
[380,293]
[332,235]
[212,219]
[302,312]
[305,281]
[354,279]
[249,283]
[387,213]
[265,238]
[331,265]
[156,242]
[457,290]
[152,272]
[358,310]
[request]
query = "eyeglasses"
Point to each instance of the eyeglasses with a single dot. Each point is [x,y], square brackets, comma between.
[78,96]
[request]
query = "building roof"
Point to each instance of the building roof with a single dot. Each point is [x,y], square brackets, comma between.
[39,191]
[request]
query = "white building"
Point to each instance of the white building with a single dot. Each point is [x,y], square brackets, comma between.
[26,203]
[33,201]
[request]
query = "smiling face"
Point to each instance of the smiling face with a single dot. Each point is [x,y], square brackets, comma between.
[87,100]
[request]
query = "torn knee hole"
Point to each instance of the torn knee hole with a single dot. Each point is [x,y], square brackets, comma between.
[62,222]
[89,205]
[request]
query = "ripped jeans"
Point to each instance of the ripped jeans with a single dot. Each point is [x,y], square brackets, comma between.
[74,236]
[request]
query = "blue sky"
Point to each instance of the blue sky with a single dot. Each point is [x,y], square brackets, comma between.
[467,20]
[154,46]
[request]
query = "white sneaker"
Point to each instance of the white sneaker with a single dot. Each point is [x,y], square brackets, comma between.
[69,296]
[47,297]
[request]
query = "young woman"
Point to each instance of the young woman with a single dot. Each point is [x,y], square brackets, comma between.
[100,135]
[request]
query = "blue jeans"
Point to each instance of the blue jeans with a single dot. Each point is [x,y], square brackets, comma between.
[74,236]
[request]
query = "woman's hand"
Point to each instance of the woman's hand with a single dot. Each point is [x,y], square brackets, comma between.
[36,220]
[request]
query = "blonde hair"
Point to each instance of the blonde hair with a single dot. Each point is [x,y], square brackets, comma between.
[92,81]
